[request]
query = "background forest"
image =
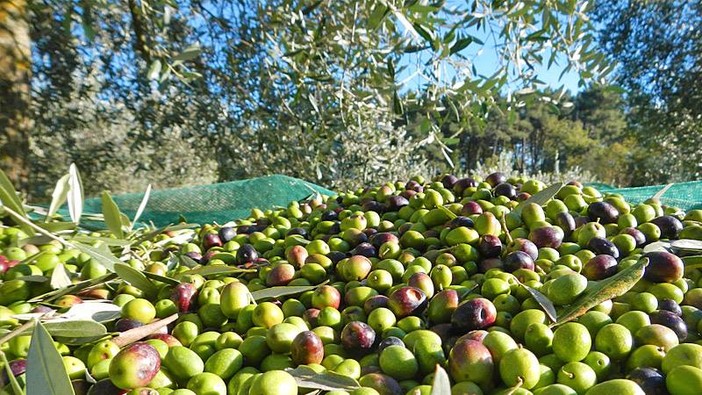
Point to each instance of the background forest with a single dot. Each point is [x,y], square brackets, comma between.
[344,93]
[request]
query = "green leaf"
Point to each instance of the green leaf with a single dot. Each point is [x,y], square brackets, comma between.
[603,290]
[46,374]
[543,301]
[135,278]
[75,194]
[105,258]
[426,33]
[448,212]
[397,106]
[83,238]
[276,292]
[55,227]
[379,13]
[13,380]
[461,44]
[9,198]
[142,205]
[112,215]
[540,198]
[692,262]
[75,288]
[154,70]
[75,328]
[216,270]
[58,196]
[59,277]
[187,261]
[306,377]
[686,246]
[189,53]
[441,384]
[163,279]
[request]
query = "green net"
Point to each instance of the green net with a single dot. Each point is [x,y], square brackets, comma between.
[234,200]
[220,203]
[684,195]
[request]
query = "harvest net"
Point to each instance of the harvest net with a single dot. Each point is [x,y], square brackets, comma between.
[228,201]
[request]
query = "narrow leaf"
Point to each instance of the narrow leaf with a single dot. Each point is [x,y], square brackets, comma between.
[135,278]
[75,328]
[448,212]
[163,279]
[9,198]
[132,335]
[46,374]
[75,288]
[84,238]
[657,246]
[189,53]
[154,70]
[59,277]
[306,377]
[460,44]
[540,198]
[102,257]
[216,270]
[276,292]
[441,384]
[58,196]
[142,205]
[75,194]
[111,213]
[8,371]
[606,289]
[660,193]
[543,301]
[55,227]
[686,246]
[94,310]
[692,262]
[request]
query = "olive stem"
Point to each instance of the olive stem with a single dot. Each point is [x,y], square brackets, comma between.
[503,222]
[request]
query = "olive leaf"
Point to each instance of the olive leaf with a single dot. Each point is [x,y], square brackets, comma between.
[75,328]
[59,277]
[55,227]
[216,270]
[603,290]
[543,301]
[112,215]
[58,196]
[75,194]
[163,279]
[692,262]
[307,377]
[657,246]
[447,212]
[10,199]
[542,197]
[441,384]
[88,239]
[101,256]
[13,380]
[51,295]
[142,206]
[686,246]
[46,374]
[276,292]
[135,278]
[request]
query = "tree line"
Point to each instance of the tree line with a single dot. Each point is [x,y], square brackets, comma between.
[183,92]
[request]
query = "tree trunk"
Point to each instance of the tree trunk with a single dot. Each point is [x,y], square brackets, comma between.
[15,72]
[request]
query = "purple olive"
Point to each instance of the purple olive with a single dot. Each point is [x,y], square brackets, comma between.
[517,260]
[600,245]
[489,246]
[478,313]
[357,336]
[605,212]
[670,226]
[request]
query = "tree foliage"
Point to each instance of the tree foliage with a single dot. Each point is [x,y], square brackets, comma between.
[658,47]
[175,92]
